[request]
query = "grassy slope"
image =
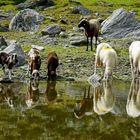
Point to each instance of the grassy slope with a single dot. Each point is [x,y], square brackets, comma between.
[77,55]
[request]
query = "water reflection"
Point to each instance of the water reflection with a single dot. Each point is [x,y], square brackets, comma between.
[51,92]
[57,120]
[133,100]
[85,106]
[7,94]
[32,95]
[103,98]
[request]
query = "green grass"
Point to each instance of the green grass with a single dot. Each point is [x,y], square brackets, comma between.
[7,2]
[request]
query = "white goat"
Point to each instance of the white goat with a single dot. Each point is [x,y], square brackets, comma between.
[134,55]
[106,56]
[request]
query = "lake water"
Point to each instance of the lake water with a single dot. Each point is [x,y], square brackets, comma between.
[69,110]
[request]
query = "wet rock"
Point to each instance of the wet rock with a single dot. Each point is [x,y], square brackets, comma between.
[51,30]
[25,20]
[80,10]
[16,48]
[120,24]
[78,40]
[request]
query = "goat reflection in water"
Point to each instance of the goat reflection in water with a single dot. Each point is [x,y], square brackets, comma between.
[51,93]
[85,106]
[32,95]
[103,98]
[101,101]
[133,100]
[7,94]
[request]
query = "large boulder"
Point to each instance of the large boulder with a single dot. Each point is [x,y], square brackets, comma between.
[16,48]
[35,3]
[25,20]
[120,24]
[52,30]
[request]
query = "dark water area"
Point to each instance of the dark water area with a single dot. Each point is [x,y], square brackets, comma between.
[71,110]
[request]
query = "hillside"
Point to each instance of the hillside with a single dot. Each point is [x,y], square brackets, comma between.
[75,61]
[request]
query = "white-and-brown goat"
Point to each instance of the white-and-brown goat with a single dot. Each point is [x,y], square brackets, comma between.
[8,61]
[34,63]
[106,56]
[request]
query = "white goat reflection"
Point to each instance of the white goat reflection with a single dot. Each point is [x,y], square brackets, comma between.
[103,98]
[85,106]
[133,100]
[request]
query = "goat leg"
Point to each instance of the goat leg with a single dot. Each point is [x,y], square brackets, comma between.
[87,44]
[91,43]
[96,38]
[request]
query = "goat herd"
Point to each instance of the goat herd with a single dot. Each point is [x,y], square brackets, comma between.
[105,55]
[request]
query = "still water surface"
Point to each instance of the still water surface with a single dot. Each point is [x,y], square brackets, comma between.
[70,110]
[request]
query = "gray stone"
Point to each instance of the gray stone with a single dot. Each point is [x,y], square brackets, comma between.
[34,3]
[78,40]
[25,20]
[63,34]
[51,30]
[120,24]
[51,18]
[16,48]
[81,10]
[3,29]
[2,41]
[49,40]
[38,47]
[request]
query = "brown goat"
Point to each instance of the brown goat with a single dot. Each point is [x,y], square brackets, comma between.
[34,62]
[8,61]
[52,64]
[92,28]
